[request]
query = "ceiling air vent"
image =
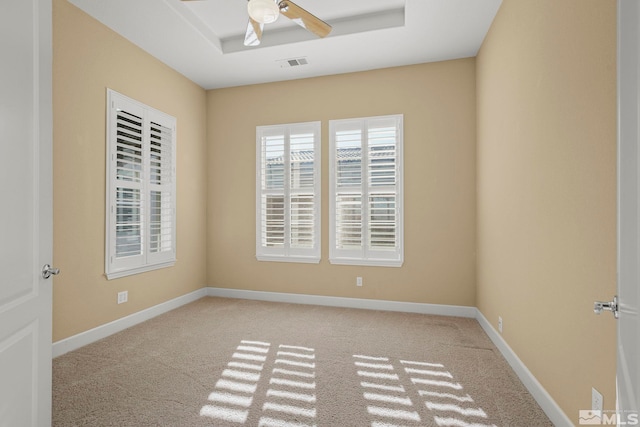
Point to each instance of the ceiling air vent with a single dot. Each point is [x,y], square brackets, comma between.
[294,62]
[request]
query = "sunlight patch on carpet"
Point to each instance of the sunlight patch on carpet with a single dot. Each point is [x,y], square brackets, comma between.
[273,422]
[455,422]
[428,372]
[396,392]
[310,398]
[389,399]
[435,394]
[247,356]
[383,424]
[374,365]
[224,413]
[440,396]
[475,412]
[289,396]
[236,386]
[290,393]
[294,373]
[241,375]
[389,392]
[399,414]
[390,404]
[296,363]
[232,399]
[436,383]
[382,375]
[290,383]
[383,386]
[253,348]
[413,362]
[292,354]
[290,409]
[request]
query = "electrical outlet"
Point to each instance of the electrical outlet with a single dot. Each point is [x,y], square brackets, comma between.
[596,400]
[123,297]
[358,281]
[500,324]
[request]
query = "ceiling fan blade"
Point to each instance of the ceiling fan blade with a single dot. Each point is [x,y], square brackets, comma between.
[254,33]
[304,19]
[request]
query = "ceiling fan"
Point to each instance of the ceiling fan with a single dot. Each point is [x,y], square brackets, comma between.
[267,11]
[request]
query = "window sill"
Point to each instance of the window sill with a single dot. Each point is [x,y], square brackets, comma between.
[138,270]
[307,260]
[367,262]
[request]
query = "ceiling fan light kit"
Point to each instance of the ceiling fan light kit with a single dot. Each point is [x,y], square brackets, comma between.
[263,11]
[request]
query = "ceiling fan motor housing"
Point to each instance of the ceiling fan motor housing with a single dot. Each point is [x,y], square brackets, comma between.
[263,11]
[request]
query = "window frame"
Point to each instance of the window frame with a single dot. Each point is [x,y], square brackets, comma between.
[287,253]
[365,255]
[159,178]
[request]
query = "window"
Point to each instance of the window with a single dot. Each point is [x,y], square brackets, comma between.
[365,206]
[140,226]
[288,192]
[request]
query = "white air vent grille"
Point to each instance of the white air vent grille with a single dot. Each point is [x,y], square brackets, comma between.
[293,62]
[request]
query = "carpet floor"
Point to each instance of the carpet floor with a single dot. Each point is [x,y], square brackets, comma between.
[226,362]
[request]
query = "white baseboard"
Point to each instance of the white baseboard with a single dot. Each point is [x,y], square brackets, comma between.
[74,342]
[369,304]
[544,399]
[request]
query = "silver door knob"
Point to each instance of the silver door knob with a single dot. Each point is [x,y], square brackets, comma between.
[48,271]
[600,306]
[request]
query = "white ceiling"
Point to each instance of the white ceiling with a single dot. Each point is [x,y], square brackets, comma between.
[203,39]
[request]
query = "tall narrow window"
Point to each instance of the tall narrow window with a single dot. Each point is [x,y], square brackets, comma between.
[365,203]
[140,229]
[288,192]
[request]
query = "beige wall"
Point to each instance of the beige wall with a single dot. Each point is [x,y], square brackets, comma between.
[438,103]
[88,58]
[535,199]
[546,78]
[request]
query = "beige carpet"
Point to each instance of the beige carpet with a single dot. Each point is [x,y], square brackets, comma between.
[226,362]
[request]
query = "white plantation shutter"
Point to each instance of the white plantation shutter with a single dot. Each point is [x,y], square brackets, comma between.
[366,191]
[140,229]
[288,192]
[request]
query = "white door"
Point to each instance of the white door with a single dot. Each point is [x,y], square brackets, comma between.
[25,212]
[628,370]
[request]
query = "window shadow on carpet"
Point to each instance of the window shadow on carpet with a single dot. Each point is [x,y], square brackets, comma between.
[275,386]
